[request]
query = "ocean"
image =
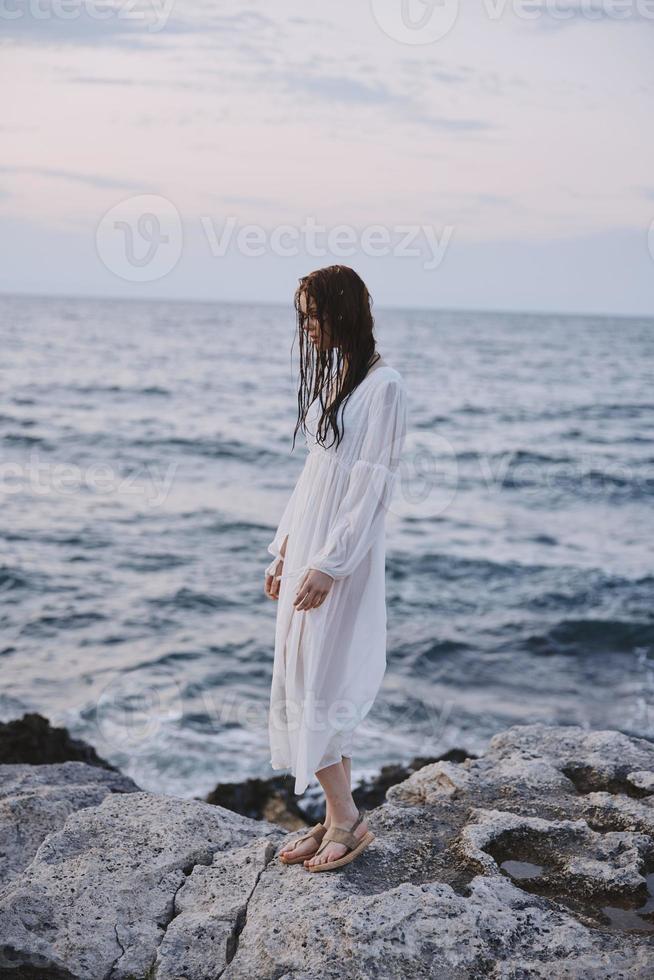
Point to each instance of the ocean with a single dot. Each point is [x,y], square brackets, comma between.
[146,459]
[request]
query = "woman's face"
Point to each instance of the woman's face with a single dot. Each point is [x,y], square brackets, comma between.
[319,334]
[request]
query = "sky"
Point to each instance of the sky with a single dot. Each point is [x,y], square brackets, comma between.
[472,155]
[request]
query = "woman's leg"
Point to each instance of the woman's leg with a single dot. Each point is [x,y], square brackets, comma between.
[347,766]
[308,847]
[341,808]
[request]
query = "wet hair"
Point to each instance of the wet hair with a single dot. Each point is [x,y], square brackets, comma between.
[340,301]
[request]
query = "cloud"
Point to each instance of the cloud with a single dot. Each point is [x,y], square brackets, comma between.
[342,89]
[427,71]
[351,90]
[83,31]
[92,180]
[137,23]
[453,123]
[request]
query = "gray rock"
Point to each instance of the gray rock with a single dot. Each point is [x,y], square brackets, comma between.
[529,862]
[432,782]
[592,862]
[323,930]
[431,899]
[642,780]
[210,911]
[617,812]
[36,800]
[100,893]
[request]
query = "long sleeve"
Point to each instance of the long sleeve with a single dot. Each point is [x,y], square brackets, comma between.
[370,485]
[277,543]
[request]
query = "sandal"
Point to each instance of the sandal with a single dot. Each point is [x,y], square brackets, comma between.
[341,835]
[317,832]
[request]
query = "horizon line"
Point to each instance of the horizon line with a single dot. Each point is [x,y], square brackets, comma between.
[280,303]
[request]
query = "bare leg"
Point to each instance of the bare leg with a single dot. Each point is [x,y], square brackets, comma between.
[309,847]
[342,810]
[347,766]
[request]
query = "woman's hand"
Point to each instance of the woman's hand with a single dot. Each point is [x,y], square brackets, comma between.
[312,589]
[271,584]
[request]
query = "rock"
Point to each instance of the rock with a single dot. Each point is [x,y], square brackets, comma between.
[433,897]
[268,799]
[210,912]
[435,781]
[532,861]
[581,859]
[32,740]
[100,893]
[591,760]
[36,800]
[325,930]
[643,781]
[369,793]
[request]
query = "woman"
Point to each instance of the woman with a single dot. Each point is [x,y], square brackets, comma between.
[328,574]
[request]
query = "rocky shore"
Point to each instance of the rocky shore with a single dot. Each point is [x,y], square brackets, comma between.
[535,860]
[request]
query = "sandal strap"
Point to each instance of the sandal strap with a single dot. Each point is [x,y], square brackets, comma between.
[358,820]
[317,832]
[341,835]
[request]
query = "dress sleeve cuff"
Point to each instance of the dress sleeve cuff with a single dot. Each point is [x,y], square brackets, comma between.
[271,568]
[275,546]
[320,566]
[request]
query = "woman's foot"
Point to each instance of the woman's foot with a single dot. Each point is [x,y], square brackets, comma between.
[306,848]
[332,851]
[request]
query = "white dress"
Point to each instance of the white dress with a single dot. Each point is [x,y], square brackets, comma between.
[330,661]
